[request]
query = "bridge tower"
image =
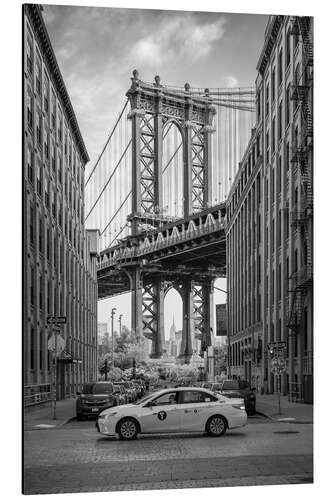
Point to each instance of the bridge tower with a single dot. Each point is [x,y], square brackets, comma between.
[153,107]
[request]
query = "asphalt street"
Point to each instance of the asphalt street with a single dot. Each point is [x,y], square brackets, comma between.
[75,458]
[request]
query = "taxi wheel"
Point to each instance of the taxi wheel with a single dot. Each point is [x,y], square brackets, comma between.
[127,429]
[216,426]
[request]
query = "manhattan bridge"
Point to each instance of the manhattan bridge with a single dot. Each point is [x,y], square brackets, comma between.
[157,194]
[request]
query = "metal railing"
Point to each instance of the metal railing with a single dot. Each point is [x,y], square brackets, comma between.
[157,243]
[36,394]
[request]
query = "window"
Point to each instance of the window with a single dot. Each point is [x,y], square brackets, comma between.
[49,297]
[46,92]
[169,398]
[287,156]
[188,397]
[29,51]
[46,143]
[38,74]
[278,187]
[41,350]
[53,158]
[279,228]
[48,244]
[32,286]
[295,260]
[41,229]
[29,109]
[39,128]
[31,223]
[280,121]
[60,217]
[273,135]
[39,179]
[258,104]
[288,105]
[32,348]
[29,164]
[287,221]
[273,84]
[53,206]
[54,111]
[280,65]
[288,49]
[267,99]
[46,192]
[41,292]
[59,169]
[59,124]
[267,147]
[55,252]
[273,286]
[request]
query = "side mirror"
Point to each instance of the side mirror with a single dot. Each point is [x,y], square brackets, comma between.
[149,404]
[253,389]
[78,393]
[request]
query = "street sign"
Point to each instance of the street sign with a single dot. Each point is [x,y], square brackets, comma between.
[278,365]
[56,344]
[56,320]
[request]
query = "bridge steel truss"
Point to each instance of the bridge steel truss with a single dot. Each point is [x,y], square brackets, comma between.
[186,254]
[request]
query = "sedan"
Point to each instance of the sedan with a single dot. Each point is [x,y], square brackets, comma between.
[183,409]
[240,389]
[95,397]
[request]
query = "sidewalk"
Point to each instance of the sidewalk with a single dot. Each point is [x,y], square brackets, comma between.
[290,412]
[42,417]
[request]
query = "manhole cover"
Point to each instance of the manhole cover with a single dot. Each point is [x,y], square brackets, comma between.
[286,432]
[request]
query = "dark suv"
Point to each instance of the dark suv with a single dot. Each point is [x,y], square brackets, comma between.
[240,389]
[94,398]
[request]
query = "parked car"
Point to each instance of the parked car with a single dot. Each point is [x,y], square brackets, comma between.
[120,392]
[240,389]
[130,394]
[95,396]
[139,388]
[182,409]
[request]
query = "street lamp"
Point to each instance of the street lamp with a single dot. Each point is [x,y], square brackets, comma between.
[120,316]
[113,312]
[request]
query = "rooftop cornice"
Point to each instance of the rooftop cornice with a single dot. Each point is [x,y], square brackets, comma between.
[271,34]
[34,12]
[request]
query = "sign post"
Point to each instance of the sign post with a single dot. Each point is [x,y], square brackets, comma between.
[56,344]
[277,352]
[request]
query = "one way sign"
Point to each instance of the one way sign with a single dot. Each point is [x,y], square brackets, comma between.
[56,320]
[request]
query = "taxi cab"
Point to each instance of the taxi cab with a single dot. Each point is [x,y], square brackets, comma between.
[178,410]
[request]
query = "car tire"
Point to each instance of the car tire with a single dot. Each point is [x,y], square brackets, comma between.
[216,426]
[127,429]
[80,417]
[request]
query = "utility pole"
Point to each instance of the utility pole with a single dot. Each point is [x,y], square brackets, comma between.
[113,312]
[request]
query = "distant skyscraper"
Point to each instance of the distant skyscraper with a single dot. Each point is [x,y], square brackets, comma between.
[172,330]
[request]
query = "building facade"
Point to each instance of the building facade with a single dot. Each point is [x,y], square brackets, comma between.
[271,250]
[59,269]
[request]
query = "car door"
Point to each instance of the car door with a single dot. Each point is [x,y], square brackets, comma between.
[195,408]
[163,415]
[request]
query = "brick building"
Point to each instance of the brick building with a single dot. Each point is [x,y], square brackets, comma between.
[59,269]
[269,218]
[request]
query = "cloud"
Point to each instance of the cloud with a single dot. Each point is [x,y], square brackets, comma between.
[182,37]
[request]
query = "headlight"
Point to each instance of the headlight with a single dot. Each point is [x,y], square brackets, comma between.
[105,415]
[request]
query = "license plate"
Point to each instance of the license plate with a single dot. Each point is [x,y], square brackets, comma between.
[94,409]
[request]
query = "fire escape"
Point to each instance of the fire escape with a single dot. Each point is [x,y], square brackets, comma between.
[301,158]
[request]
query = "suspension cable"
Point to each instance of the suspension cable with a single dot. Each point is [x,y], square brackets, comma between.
[107,142]
[119,208]
[109,179]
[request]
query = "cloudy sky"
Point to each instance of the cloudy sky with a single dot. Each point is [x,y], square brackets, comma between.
[98,48]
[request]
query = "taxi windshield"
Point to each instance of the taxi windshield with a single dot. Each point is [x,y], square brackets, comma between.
[143,400]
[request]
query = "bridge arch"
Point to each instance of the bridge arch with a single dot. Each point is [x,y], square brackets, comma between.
[173,300]
[173,169]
